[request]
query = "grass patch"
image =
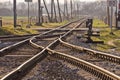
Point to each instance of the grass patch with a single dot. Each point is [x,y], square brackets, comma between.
[117,42]
[3,32]
[8,21]
[105,36]
[18,31]
[102,47]
[99,24]
[50,25]
[9,29]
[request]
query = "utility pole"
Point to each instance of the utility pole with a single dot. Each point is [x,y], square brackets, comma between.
[64,9]
[67,9]
[52,5]
[59,11]
[39,12]
[29,24]
[116,14]
[28,13]
[77,9]
[111,19]
[111,4]
[74,7]
[108,14]
[55,11]
[47,10]
[71,6]
[118,19]
[15,14]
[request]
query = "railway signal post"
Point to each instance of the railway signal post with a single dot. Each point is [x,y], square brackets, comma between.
[28,1]
[111,4]
[90,33]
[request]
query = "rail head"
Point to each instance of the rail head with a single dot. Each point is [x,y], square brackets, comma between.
[105,73]
[96,68]
[21,69]
[107,56]
[34,59]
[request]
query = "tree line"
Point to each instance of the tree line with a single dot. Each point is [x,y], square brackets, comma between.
[85,8]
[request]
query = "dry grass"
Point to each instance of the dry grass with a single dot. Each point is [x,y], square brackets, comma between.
[9,29]
[105,36]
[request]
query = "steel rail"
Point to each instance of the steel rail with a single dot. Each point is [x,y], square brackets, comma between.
[81,29]
[6,49]
[34,59]
[12,36]
[98,54]
[102,55]
[95,70]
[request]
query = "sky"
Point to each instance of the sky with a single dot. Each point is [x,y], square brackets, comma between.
[61,1]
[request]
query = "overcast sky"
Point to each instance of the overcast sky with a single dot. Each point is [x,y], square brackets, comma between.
[46,0]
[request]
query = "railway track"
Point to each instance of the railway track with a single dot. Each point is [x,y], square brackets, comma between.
[12,39]
[75,51]
[15,37]
[50,37]
[81,63]
[7,44]
[16,57]
[22,51]
[104,60]
[102,74]
[8,40]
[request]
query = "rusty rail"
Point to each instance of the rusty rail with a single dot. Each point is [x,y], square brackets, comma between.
[97,54]
[93,69]
[6,49]
[40,56]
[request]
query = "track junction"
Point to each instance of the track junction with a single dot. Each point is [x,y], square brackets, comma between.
[57,47]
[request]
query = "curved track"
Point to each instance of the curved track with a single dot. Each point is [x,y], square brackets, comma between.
[51,46]
[20,52]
